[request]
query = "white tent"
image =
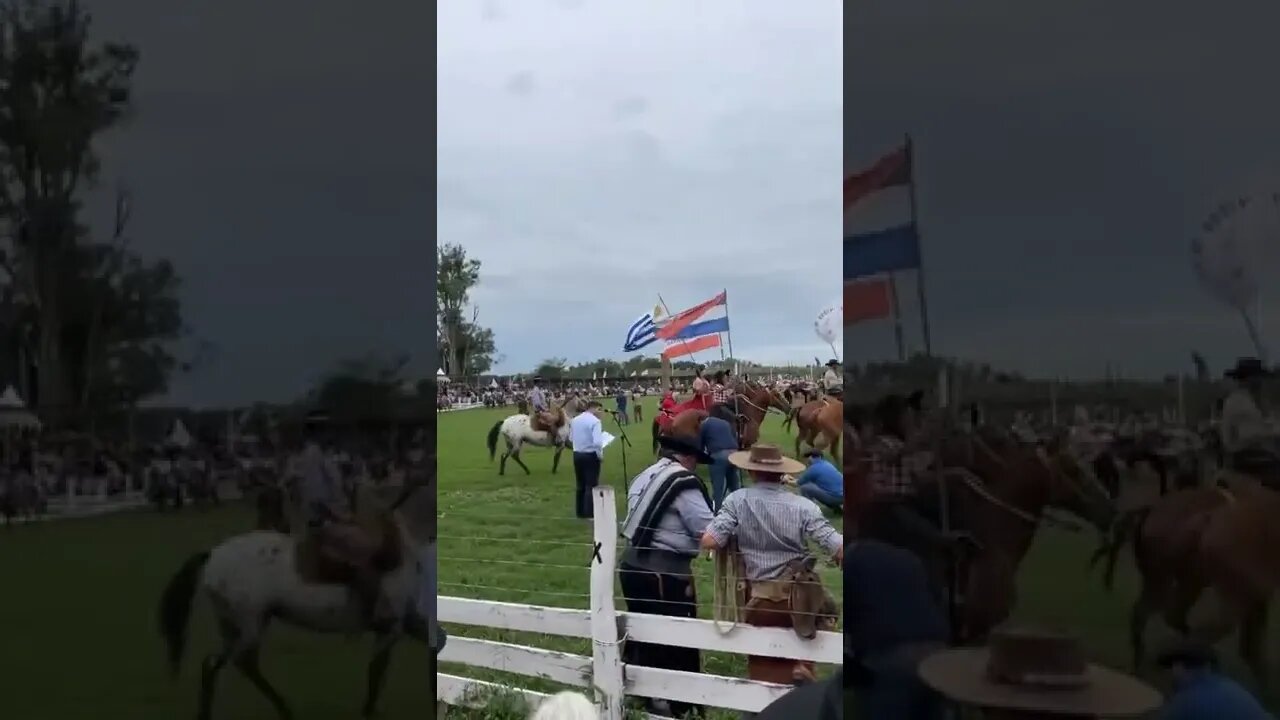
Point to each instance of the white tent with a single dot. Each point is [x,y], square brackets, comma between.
[14,412]
[179,437]
[440,373]
[493,383]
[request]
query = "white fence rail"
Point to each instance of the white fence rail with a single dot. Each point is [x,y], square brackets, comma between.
[604,672]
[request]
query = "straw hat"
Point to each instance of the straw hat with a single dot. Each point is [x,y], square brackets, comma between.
[1035,670]
[763,457]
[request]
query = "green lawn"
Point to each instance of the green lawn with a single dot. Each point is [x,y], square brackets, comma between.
[79,639]
[515,538]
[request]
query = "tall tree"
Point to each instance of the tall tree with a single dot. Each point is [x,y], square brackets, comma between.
[58,94]
[467,347]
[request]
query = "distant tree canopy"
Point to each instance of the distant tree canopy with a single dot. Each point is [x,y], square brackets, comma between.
[371,388]
[94,317]
[467,349]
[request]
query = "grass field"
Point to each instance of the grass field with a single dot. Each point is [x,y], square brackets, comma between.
[515,538]
[78,607]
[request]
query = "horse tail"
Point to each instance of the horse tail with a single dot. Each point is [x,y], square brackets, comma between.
[493,439]
[175,607]
[1127,530]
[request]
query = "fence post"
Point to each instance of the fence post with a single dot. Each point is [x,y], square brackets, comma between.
[606,658]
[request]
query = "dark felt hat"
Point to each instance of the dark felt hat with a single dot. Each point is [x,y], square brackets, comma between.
[1247,367]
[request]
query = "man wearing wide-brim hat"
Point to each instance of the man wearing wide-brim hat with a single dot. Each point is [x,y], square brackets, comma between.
[667,511]
[1248,439]
[771,527]
[832,381]
[1029,673]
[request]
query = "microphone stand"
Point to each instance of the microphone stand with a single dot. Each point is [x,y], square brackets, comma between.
[626,443]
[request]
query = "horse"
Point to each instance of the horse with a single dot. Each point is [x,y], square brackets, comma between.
[997,491]
[746,410]
[1218,538]
[820,420]
[518,431]
[255,577]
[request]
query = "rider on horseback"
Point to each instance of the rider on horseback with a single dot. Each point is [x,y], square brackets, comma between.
[540,417]
[332,526]
[1249,440]
[832,382]
[897,464]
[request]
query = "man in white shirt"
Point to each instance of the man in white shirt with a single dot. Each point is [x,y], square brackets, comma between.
[586,436]
[1250,442]
[832,382]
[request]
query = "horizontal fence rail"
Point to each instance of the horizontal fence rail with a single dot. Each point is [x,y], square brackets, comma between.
[603,672]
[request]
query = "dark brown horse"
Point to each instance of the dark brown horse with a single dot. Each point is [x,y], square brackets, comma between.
[997,491]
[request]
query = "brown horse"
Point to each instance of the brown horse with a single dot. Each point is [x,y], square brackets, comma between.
[750,404]
[998,492]
[1206,538]
[819,424]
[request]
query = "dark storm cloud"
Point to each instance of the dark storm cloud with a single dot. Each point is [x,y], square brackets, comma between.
[1066,154]
[280,156]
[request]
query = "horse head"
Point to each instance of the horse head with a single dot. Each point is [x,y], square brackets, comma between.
[1073,485]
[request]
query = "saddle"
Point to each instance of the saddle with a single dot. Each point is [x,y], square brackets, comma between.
[334,552]
[544,422]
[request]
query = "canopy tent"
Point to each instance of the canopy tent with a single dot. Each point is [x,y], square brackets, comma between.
[14,412]
[179,437]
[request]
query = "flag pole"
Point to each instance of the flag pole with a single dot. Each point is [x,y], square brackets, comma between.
[728,333]
[915,225]
[897,317]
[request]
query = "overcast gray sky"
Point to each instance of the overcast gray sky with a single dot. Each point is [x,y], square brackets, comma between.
[1066,153]
[593,154]
[280,156]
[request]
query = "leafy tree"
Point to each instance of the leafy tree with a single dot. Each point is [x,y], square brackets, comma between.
[467,348]
[59,94]
[366,388]
[551,368]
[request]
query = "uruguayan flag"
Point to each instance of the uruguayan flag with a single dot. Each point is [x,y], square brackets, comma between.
[642,332]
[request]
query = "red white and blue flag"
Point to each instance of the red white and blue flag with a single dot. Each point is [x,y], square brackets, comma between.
[685,332]
[874,250]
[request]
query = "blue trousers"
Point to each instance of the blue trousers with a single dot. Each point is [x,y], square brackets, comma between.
[822,497]
[724,477]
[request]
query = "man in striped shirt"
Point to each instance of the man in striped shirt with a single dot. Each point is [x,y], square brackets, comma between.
[772,528]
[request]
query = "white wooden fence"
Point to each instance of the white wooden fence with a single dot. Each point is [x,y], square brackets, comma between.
[604,672]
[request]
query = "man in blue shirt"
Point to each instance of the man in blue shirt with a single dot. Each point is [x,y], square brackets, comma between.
[719,440]
[892,620]
[1200,692]
[822,482]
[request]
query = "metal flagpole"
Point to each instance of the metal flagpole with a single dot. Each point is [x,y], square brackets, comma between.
[915,226]
[728,333]
[897,317]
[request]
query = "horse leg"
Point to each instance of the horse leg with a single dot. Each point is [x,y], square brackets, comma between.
[502,462]
[555,459]
[212,666]
[247,662]
[377,674]
[515,455]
